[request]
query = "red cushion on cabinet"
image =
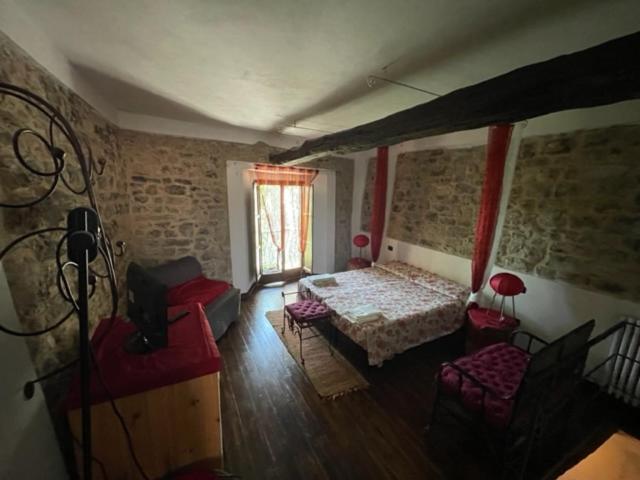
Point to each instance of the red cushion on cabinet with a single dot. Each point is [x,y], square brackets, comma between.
[192,352]
[197,290]
[486,318]
[500,367]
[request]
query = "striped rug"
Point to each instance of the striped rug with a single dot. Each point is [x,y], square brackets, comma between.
[331,375]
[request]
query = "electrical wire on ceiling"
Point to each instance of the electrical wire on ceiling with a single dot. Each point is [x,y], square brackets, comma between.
[311,129]
[295,125]
[373,79]
[371,82]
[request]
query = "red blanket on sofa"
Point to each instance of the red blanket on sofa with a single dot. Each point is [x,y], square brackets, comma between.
[197,290]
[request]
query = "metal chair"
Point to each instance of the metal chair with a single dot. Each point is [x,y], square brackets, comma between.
[509,394]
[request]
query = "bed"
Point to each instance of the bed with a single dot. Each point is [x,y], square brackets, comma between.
[418,306]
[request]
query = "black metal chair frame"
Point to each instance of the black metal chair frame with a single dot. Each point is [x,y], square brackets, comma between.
[586,413]
[298,327]
[628,389]
[527,421]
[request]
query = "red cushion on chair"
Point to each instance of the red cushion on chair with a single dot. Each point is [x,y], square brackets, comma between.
[361,240]
[507,284]
[197,290]
[500,367]
[307,310]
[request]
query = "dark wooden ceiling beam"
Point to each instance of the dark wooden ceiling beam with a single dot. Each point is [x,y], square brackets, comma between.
[607,73]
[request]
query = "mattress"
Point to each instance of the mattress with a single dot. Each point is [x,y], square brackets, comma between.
[418,306]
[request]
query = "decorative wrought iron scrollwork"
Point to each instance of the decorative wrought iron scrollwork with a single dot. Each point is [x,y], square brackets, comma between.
[57,127]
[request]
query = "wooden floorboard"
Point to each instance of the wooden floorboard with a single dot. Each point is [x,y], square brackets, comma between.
[275,426]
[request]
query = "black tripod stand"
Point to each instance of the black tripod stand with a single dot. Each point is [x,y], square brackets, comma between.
[82,248]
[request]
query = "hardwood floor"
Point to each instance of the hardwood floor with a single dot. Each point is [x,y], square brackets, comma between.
[275,426]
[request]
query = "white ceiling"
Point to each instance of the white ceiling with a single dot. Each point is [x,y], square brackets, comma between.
[267,65]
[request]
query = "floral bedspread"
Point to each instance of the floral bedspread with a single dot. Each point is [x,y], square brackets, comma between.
[418,307]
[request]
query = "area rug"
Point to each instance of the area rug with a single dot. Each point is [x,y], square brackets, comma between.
[331,375]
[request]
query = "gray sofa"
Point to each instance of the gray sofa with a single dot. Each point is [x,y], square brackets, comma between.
[221,313]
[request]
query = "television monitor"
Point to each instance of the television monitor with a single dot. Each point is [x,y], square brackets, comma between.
[147,309]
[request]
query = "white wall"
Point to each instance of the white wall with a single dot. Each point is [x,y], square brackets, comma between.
[22,30]
[239,195]
[212,131]
[549,308]
[324,222]
[360,162]
[28,445]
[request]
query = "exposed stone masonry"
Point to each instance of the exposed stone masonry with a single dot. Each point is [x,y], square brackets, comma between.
[367,199]
[574,211]
[31,269]
[178,189]
[179,204]
[435,199]
[165,196]
[573,214]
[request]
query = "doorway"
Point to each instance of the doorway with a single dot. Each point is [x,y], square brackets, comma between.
[279,216]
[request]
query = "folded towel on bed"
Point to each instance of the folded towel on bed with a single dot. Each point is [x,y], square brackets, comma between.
[363,314]
[324,280]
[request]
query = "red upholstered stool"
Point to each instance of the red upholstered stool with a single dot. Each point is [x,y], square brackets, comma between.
[302,315]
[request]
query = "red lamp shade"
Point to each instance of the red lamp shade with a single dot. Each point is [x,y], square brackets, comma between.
[507,284]
[361,241]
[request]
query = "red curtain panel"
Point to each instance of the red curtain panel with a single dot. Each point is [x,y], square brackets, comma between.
[379,202]
[497,146]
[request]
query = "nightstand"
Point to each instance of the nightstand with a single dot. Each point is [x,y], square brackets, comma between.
[357,263]
[486,327]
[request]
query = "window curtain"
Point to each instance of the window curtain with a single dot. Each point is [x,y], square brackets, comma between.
[379,202]
[305,216]
[265,174]
[497,147]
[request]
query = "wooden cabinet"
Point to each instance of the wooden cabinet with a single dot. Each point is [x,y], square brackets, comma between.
[169,399]
[170,427]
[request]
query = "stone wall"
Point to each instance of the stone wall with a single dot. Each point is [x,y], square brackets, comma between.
[573,214]
[344,204]
[31,269]
[367,198]
[574,211]
[165,196]
[178,194]
[435,199]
